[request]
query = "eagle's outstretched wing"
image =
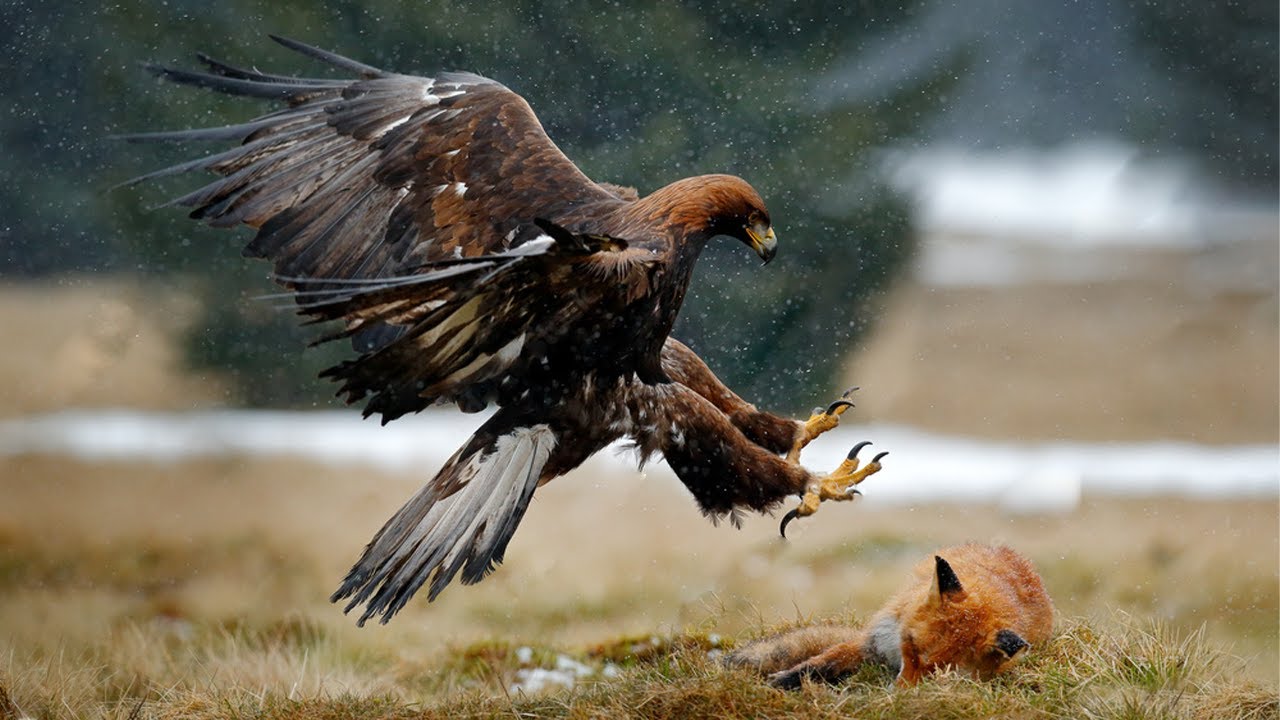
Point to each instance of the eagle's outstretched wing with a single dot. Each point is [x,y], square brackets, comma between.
[371,177]
[390,178]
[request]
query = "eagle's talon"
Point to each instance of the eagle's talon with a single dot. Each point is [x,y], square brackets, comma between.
[791,515]
[840,485]
[841,403]
[820,422]
[809,502]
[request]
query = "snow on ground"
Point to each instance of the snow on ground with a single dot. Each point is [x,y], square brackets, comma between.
[925,467]
[566,673]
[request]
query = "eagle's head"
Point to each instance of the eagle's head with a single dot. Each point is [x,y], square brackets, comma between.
[721,205]
[739,212]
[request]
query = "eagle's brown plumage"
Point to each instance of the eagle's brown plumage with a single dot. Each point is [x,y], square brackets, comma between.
[471,262]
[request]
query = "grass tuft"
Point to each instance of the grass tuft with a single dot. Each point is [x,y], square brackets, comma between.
[642,649]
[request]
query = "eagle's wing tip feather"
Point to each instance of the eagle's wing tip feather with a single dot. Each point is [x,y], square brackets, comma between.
[332,58]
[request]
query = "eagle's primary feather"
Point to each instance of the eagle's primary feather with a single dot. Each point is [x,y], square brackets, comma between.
[470,262]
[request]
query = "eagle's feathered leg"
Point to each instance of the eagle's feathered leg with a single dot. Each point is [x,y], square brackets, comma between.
[724,469]
[775,433]
[840,485]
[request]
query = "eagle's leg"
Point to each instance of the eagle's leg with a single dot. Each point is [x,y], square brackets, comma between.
[724,469]
[772,432]
[766,466]
[840,485]
[820,422]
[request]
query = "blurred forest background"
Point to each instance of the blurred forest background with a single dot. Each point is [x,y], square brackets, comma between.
[800,99]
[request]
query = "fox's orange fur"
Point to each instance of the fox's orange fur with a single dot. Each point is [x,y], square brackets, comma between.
[974,608]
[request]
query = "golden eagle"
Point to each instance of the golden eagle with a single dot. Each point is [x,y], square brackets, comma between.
[470,262]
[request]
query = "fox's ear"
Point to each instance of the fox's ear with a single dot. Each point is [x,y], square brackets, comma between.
[945,579]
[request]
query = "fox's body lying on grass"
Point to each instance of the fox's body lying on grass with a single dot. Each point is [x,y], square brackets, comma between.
[973,607]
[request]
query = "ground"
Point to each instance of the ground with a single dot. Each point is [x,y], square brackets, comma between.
[198,588]
[211,577]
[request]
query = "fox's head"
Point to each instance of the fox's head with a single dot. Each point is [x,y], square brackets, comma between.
[970,629]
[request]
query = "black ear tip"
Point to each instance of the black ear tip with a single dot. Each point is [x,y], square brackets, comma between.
[947,580]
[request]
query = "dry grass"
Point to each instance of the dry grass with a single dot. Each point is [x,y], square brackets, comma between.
[1130,669]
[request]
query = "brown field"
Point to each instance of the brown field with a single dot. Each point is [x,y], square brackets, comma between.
[198,589]
[90,343]
[147,576]
[1162,359]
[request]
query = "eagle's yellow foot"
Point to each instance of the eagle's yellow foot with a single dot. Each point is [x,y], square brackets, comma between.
[840,485]
[820,422]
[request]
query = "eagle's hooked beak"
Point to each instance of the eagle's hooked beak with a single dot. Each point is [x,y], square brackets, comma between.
[763,241]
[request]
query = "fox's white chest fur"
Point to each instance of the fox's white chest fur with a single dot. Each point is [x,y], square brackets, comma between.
[884,641]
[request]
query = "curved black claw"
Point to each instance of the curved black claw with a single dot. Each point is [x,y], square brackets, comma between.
[853,454]
[849,393]
[791,515]
[876,459]
[831,409]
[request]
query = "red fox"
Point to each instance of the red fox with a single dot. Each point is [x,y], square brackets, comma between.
[974,607]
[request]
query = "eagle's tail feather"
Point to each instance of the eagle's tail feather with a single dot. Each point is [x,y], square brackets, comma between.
[461,521]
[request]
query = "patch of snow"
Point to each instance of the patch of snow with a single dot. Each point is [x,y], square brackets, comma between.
[922,467]
[564,663]
[535,680]
[1048,476]
[336,437]
[565,674]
